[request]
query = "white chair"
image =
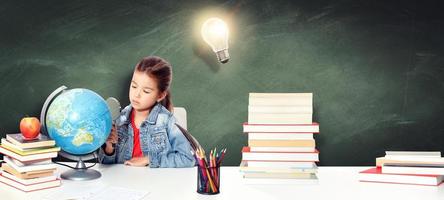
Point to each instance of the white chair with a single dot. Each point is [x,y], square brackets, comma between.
[181,116]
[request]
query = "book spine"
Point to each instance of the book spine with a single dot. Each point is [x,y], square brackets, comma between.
[280,109]
[281,143]
[271,118]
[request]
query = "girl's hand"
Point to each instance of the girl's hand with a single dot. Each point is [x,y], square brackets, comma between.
[112,139]
[138,162]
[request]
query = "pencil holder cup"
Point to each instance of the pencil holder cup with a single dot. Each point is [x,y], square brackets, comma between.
[208,180]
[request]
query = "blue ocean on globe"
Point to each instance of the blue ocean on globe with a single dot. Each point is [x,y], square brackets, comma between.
[79,121]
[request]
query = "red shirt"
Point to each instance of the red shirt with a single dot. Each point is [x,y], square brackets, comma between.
[137,151]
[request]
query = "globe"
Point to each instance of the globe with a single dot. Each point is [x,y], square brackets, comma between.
[79,121]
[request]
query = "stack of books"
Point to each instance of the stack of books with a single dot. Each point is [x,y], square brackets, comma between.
[407,167]
[27,163]
[281,146]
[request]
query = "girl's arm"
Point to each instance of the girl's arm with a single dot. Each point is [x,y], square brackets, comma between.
[107,153]
[104,158]
[180,153]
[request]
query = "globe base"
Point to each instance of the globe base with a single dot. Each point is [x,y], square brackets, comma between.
[80,173]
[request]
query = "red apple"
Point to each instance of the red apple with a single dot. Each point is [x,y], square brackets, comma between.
[30,127]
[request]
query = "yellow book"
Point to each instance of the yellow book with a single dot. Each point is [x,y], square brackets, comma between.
[27,175]
[24,152]
[409,160]
[27,158]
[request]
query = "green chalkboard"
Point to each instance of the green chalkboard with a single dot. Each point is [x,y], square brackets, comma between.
[376,68]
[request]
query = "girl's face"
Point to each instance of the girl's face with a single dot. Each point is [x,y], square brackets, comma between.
[143,92]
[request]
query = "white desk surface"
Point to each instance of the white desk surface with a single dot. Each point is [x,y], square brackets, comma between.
[180,183]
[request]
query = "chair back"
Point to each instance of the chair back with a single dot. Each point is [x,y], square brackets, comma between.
[181,116]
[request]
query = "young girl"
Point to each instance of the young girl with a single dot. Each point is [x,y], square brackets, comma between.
[146,131]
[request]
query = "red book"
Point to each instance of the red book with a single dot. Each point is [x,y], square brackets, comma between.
[29,187]
[375,175]
[248,155]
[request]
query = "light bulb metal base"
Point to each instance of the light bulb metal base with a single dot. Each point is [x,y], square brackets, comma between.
[223,56]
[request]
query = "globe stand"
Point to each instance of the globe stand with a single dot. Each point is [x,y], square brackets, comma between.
[80,172]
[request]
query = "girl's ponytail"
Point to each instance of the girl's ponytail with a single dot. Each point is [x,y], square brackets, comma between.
[166,102]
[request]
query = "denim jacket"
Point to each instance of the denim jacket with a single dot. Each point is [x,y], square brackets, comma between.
[160,139]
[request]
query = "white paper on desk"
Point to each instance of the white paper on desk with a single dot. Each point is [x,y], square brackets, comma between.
[119,193]
[78,192]
[96,193]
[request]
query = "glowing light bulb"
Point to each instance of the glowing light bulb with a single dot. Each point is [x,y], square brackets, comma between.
[215,33]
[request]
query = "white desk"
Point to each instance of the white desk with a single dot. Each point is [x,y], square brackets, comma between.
[170,184]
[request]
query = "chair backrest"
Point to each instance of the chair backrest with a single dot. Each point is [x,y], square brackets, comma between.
[181,116]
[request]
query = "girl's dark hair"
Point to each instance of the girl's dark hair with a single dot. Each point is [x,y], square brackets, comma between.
[160,70]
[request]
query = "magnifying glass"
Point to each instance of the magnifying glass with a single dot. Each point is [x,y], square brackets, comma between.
[114,108]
